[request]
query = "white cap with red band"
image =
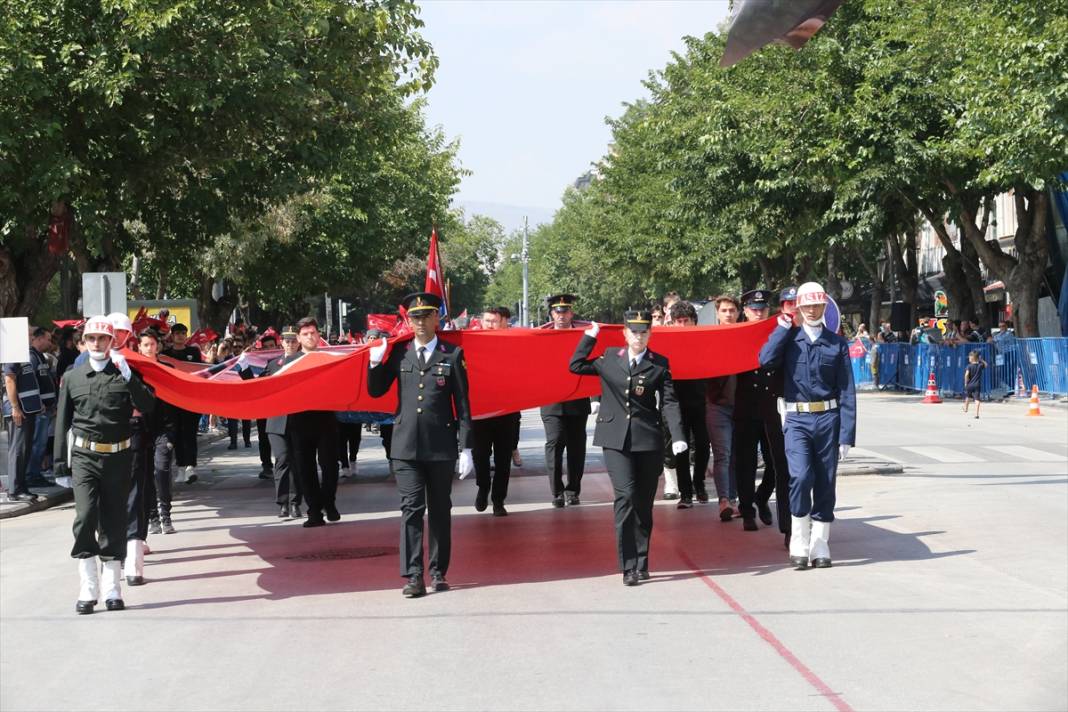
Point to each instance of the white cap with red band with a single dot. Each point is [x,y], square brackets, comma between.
[99,325]
[120,321]
[811,293]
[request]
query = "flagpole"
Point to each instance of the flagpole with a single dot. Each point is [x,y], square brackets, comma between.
[526,277]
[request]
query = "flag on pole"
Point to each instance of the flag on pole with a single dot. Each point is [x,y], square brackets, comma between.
[435,274]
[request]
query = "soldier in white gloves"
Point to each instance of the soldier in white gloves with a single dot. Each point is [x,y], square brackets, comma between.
[432,424]
[96,401]
[821,419]
[637,393]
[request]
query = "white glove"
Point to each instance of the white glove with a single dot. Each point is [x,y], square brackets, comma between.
[679,446]
[120,363]
[843,450]
[377,353]
[785,321]
[594,329]
[467,464]
[595,407]
[242,361]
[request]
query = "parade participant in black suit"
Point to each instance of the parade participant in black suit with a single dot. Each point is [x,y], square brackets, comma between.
[433,422]
[496,435]
[637,395]
[565,423]
[185,447]
[691,397]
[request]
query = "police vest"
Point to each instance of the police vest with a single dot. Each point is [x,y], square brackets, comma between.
[45,382]
[29,391]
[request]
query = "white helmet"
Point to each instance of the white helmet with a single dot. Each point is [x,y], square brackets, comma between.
[99,325]
[120,322]
[811,293]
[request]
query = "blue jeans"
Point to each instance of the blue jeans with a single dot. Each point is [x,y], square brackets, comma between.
[40,445]
[720,421]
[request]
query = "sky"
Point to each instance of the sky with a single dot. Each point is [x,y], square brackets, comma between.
[526,86]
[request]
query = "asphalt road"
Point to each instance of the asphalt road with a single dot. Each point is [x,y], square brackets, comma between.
[949,591]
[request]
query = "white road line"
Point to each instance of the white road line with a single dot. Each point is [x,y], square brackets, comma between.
[1019,452]
[943,454]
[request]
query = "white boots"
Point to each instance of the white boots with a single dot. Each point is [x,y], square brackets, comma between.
[671,483]
[134,570]
[89,593]
[111,583]
[808,543]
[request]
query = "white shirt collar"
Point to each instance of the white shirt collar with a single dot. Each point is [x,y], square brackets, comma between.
[636,359]
[430,346]
[100,365]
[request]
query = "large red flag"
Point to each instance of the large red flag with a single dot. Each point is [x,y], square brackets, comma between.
[435,273]
[509,370]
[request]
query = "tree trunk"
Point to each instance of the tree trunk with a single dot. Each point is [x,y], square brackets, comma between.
[1022,274]
[973,280]
[25,275]
[215,314]
[877,289]
[956,286]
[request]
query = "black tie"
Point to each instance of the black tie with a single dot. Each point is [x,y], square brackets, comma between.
[422,357]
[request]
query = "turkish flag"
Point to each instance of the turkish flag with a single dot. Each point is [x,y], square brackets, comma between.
[435,273]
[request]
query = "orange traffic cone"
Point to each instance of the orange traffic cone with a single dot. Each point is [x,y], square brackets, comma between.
[1032,408]
[931,396]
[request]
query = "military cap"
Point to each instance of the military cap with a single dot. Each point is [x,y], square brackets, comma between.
[756,298]
[788,294]
[289,330]
[638,320]
[561,302]
[421,303]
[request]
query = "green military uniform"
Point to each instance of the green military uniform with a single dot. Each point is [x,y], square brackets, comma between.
[96,407]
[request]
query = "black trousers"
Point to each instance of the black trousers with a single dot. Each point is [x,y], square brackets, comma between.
[308,444]
[19,447]
[695,431]
[425,487]
[565,432]
[141,472]
[349,437]
[158,487]
[635,476]
[101,488]
[264,442]
[496,436]
[387,437]
[185,442]
[246,430]
[287,486]
[766,433]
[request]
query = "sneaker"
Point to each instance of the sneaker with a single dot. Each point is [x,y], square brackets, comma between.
[154,527]
[685,503]
[190,475]
[702,494]
[344,473]
[726,513]
[517,461]
[167,527]
[671,495]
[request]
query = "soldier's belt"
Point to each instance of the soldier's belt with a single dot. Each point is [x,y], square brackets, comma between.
[79,441]
[814,407]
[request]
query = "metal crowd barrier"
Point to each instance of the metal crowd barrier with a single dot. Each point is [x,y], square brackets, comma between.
[1041,362]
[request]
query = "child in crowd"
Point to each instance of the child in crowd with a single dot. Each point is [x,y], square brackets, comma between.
[973,380]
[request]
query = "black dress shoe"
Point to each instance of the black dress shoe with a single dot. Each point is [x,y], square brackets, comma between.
[314,522]
[231,446]
[499,510]
[558,502]
[331,513]
[415,587]
[482,499]
[821,563]
[283,512]
[135,580]
[702,494]
[749,524]
[115,604]
[643,575]
[630,578]
[572,499]
[84,607]
[765,512]
[266,474]
[31,497]
[685,503]
[439,583]
[799,562]
[294,512]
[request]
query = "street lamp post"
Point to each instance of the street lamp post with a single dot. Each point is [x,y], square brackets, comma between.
[525,320]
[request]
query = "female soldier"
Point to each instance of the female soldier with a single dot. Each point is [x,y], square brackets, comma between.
[636,394]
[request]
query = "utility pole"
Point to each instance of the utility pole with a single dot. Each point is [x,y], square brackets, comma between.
[329,315]
[525,316]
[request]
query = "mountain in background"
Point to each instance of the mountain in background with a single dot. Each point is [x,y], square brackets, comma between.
[510,216]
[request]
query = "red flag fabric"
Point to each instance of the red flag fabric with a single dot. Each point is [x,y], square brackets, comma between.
[435,273]
[203,336]
[509,370]
[64,323]
[382,322]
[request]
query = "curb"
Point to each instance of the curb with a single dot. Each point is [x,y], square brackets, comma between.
[46,502]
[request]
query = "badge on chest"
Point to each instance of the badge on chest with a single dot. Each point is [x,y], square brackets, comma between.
[640,388]
[440,373]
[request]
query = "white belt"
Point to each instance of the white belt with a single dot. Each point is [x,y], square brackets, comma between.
[814,407]
[79,441]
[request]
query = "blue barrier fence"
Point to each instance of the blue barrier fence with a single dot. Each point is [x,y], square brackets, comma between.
[1042,362]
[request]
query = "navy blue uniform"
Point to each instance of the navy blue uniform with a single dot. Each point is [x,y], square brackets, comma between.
[814,371]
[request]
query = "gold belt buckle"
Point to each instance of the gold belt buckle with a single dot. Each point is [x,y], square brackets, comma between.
[817,407]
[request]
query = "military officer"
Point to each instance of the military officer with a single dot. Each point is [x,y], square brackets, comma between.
[565,423]
[821,419]
[637,394]
[432,422]
[756,424]
[96,402]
